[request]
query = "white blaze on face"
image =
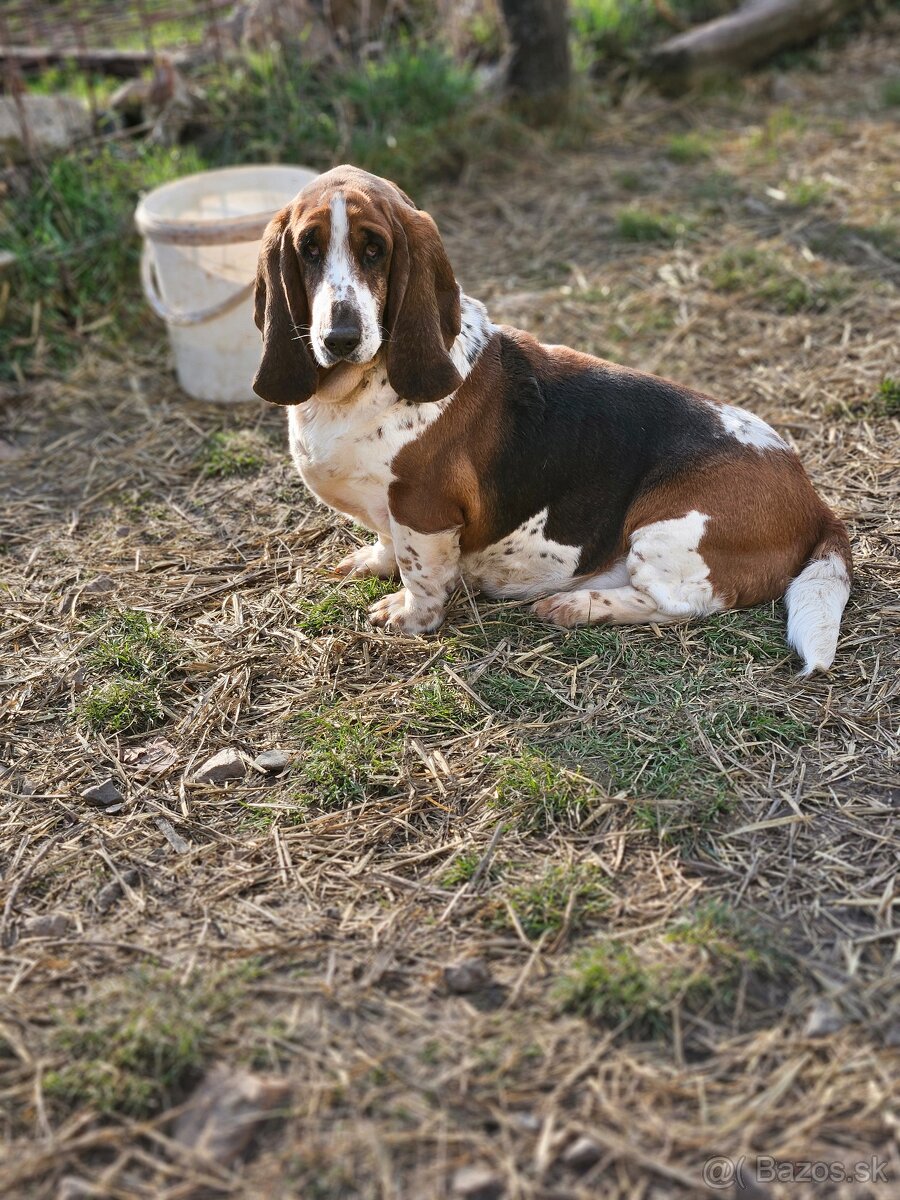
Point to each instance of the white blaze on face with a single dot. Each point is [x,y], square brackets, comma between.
[342,282]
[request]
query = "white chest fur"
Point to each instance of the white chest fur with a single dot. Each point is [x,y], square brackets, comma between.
[344,447]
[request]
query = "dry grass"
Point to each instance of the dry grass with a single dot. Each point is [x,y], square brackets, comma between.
[666,848]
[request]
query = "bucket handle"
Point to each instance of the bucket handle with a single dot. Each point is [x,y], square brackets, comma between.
[173,317]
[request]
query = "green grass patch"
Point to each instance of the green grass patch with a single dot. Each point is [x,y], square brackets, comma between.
[524,697]
[621,31]
[71,227]
[342,604]
[438,705]
[541,905]
[138,1043]
[409,114]
[768,280]
[122,706]
[232,452]
[885,402]
[540,792]
[699,966]
[346,759]
[887,398]
[890,92]
[806,193]
[688,148]
[135,659]
[461,870]
[133,645]
[638,225]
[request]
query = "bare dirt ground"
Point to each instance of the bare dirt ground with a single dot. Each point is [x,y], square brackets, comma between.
[675,860]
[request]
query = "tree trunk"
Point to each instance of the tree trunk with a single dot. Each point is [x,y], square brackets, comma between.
[742,39]
[538,69]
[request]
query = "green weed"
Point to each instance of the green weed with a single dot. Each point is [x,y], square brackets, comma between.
[688,148]
[439,705]
[71,228]
[138,1043]
[132,645]
[460,870]
[762,276]
[806,193]
[341,604]
[541,905]
[540,792]
[232,452]
[890,92]
[136,658]
[699,966]
[122,706]
[887,398]
[346,758]
[636,225]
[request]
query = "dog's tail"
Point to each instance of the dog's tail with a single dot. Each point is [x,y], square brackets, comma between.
[816,598]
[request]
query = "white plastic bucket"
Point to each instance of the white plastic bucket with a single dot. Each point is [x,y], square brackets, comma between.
[201,239]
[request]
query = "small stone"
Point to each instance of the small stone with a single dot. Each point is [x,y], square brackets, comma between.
[227,764]
[477,1182]
[824,1017]
[470,975]
[226,1110]
[110,893]
[582,1153]
[7,450]
[528,1122]
[272,761]
[123,531]
[55,926]
[99,586]
[103,794]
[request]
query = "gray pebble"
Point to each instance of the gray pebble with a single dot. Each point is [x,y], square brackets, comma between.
[582,1153]
[227,764]
[54,926]
[272,761]
[470,975]
[103,794]
[477,1182]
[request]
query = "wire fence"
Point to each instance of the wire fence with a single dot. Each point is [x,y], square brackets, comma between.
[87,46]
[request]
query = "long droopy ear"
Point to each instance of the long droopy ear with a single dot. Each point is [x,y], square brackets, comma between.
[286,373]
[422,313]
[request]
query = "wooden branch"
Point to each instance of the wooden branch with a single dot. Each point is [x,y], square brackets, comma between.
[742,39]
[124,63]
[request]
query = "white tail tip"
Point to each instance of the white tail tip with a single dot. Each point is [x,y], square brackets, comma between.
[815,601]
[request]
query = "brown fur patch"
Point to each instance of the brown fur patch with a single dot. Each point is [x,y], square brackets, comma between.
[766,520]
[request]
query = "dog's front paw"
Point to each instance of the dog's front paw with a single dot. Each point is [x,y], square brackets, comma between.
[371,560]
[401,613]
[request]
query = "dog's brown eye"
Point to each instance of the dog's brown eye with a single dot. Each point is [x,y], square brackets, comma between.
[311,251]
[372,251]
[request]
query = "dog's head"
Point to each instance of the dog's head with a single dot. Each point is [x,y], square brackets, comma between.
[349,266]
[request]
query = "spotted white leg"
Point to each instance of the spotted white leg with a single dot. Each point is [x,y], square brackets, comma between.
[429,569]
[377,559]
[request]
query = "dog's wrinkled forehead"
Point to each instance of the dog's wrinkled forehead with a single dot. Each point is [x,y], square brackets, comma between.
[366,189]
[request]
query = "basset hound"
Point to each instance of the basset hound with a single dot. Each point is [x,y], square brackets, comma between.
[530,471]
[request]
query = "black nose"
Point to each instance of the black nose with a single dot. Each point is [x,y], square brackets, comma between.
[343,340]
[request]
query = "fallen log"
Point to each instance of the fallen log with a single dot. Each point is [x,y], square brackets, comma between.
[106,61]
[741,39]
